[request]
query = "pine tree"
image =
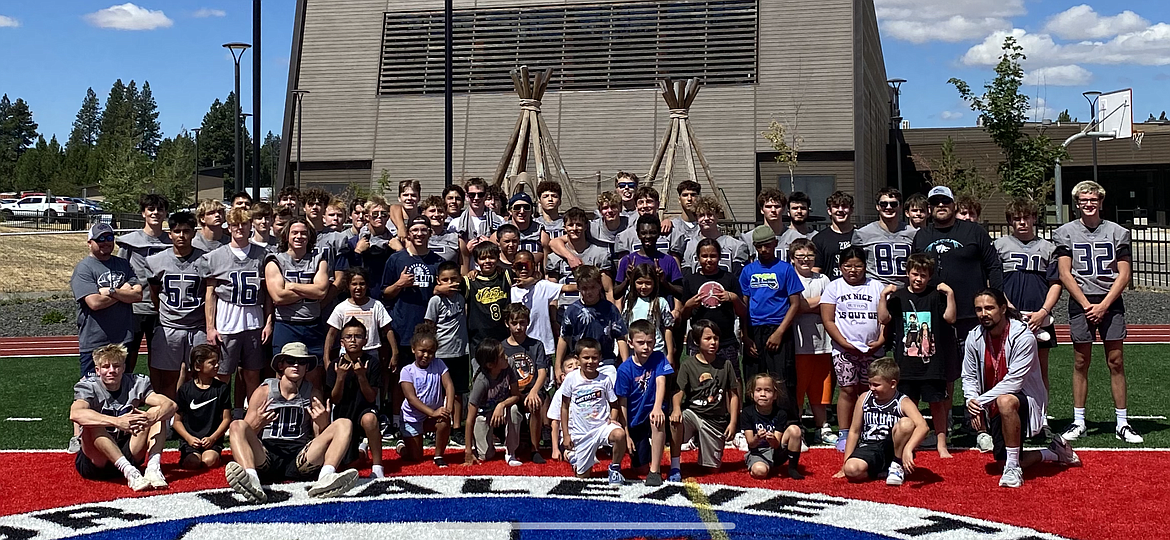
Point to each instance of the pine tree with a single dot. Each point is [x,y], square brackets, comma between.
[216,140]
[174,169]
[269,157]
[117,126]
[1064,117]
[17,133]
[88,123]
[148,130]
[82,163]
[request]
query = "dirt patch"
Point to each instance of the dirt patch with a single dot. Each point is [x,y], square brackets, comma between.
[41,262]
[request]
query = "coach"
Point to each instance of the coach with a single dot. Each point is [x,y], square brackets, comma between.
[105,288]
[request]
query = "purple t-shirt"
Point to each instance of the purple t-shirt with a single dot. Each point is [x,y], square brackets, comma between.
[667,263]
[428,386]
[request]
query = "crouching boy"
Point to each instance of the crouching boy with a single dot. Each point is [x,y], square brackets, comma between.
[589,405]
[641,390]
[886,429]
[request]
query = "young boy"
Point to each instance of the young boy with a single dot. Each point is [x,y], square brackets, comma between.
[886,429]
[1096,266]
[488,294]
[444,242]
[590,407]
[553,412]
[771,430]
[540,296]
[211,233]
[532,237]
[509,238]
[734,254]
[116,435]
[549,194]
[814,358]
[772,291]
[262,227]
[917,210]
[594,317]
[177,293]
[648,202]
[707,401]
[204,411]
[335,217]
[526,357]
[494,403]
[287,434]
[447,309]
[683,226]
[580,251]
[968,208]
[770,203]
[830,242]
[356,378]
[919,317]
[641,391]
[602,231]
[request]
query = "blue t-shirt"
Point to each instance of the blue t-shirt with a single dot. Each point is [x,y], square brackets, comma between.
[768,287]
[639,385]
[601,321]
[667,263]
[409,307]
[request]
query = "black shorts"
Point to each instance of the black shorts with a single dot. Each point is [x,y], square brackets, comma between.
[460,370]
[640,455]
[930,391]
[89,471]
[995,427]
[877,455]
[188,450]
[285,460]
[781,362]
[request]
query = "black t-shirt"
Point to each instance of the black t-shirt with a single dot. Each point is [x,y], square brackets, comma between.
[829,245]
[706,388]
[923,343]
[752,419]
[722,315]
[202,409]
[967,261]
[353,402]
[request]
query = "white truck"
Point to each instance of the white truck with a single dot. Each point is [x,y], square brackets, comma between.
[53,209]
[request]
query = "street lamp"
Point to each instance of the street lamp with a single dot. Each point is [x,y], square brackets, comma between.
[896,121]
[1092,96]
[196,197]
[299,95]
[237,50]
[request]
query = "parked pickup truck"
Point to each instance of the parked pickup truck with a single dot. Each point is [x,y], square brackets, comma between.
[51,208]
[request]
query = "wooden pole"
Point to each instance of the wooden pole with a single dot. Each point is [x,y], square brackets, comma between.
[667,173]
[537,153]
[520,155]
[502,168]
[688,152]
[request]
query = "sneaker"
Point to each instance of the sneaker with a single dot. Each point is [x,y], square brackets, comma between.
[1013,477]
[653,479]
[675,475]
[984,442]
[139,483]
[896,475]
[74,444]
[828,436]
[1074,432]
[238,479]
[156,479]
[364,446]
[740,441]
[333,484]
[1064,452]
[440,462]
[1047,433]
[615,477]
[537,458]
[688,446]
[457,439]
[842,441]
[512,461]
[803,447]
[1128,434]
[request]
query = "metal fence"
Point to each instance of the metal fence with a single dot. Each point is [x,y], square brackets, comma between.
[26,221]
[1150,248]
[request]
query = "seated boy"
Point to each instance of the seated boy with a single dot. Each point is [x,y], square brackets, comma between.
[590,406]
[886,429]
[286,434]
[116,435]
[205,410]
[641,390]
[356,378]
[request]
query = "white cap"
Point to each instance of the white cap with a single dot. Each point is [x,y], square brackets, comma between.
[940,191]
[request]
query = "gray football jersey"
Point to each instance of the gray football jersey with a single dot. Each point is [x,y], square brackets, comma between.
[732,257]
[594,255]
[180,302]
[330,245]
[293,422]
[530,238]
[132,394]
[785,238]
[1016,255]
[628,242]
[445,245]
[207,246]
[239,282]
[680,231]
[1094,253]
[136,247]
[886,251]
[554,227]
[600,234]
[298,271]
[467,230]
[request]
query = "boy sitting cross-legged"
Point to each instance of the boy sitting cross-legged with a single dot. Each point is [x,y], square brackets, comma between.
[589,405]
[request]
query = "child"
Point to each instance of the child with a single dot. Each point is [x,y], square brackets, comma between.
[707,401]
[814,361]
[530,235]
[641,391]
[968,208]
[356,378]
[649,230]
[642,302]
[770,425]
[204,411]
[849,310]
[886,429]
[602,231]
[443,241]
[447,310]
[540,296]
[494,402]
[579,251]
[380,339]
[733,253]
[714,293]
[920,318]
[549,194]
[917,211]
[526,357]
[488,293]
[116,435]
[509,239]
[553,413]
[409,193]
[430,398]
[590,406]
[592,317]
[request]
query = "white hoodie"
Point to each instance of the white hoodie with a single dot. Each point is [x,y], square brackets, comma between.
[1023,372]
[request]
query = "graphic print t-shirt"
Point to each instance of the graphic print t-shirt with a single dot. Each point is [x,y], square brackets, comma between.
[923,342]
[487,391]
[856,310]
[589,402]
[526,359]
[750,418]
[408,307]
[706,388]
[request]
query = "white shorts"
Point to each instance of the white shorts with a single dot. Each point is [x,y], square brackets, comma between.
[585,447]
[171,347]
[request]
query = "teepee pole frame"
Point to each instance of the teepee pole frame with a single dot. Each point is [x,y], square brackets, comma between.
[679,95]
[531,134]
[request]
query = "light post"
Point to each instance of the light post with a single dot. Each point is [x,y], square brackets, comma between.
[243,147]
[299,95]
[196,197]
[896,122]
[237,50]
[256,95]
[1092,96]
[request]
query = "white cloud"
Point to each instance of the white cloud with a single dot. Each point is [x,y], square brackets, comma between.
[920,21]
[1081,22]
[1070,75]
[8,22]
[128,17]
[208,12]
[948,115]
[1040,110]
[1149,46]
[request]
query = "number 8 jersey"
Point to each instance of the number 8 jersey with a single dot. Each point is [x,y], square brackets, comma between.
[239,282]
[1094,253]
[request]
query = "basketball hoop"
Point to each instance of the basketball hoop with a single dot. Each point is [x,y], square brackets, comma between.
[1137,139]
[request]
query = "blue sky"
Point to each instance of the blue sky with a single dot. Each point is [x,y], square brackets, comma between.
[58,48]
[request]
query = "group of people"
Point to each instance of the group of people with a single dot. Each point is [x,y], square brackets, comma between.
[469,317]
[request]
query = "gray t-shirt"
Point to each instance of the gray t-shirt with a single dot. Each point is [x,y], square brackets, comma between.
[526,360]
[886,251]
[785,239]
[733,253]
[300,271]
[1094,253]
[180,302]
[487,392]
[554,227]
[207,246]
[330,246]
[449,314]
[628,242]
[114,324]
[599,234]
[593,255]
[810,330]
[131,394]
[468,227]
[445,245]
[135,247]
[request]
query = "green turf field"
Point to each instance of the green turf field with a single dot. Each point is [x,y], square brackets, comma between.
[42,388]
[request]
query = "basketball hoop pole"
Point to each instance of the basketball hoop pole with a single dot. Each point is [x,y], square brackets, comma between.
[1060,212]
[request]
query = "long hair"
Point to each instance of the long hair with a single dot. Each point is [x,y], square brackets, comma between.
[288,228]
[1001,301]
[643,270]
[488,352]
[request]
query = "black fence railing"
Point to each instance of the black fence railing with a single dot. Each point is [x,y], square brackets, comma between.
[31,221]
[1150,248]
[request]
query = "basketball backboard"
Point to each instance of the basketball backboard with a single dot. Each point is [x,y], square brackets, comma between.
[1115,114]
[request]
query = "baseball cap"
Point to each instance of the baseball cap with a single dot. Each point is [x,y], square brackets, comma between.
[940,191]
[520,197]
[99,229]
[762,235]
[297,350]
[419,220]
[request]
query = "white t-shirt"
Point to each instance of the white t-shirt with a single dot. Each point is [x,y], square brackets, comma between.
[536,299]
[372,314]
[810,331]
[589,401]
[857,308]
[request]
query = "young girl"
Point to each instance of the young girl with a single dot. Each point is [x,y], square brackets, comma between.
[371,313]
[493,402]
[430,398]
[814,360]
[707,401]
[713,294]
[849,309]
[643,302]
[409,194]
[772,429]
[553,414]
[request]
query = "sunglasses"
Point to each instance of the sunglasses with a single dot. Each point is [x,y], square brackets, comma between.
[627,185]
[379,214]
[888,204]
[297,361]
[105,238]
[476,194]
[521,207]
[521,266]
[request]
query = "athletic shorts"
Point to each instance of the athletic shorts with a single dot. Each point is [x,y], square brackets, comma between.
[1110,328]
[187,450]
[930,391]
[711,441]
[460,370]
[310,333]
[243,350]
[171,347]
[640,454]
[814,378]
[995,427]
[418,429]
[286,460]
[851,369]
[877,455]
[585,447]
[88,470]
[767,455]
[780,362]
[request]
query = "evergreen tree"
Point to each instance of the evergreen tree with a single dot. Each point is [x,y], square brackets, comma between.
[174,169]
[269,158]
[123,178]
[17,133]
[1064,117]
[118,123]
[148,130]
[82,163]
[40,169]
[216,140]
[88,123]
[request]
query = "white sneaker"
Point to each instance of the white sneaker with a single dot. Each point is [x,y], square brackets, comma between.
[1128,434]
[896,475]
[512,461]
[1074,432]
[364,446]
[828,436]
[985,442]
[333,484]
[238,479]
[740,441]
[156,479]
[1013,477]
[803,447]
[688,446]
[1064,452]
[139,483]
[74,444]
